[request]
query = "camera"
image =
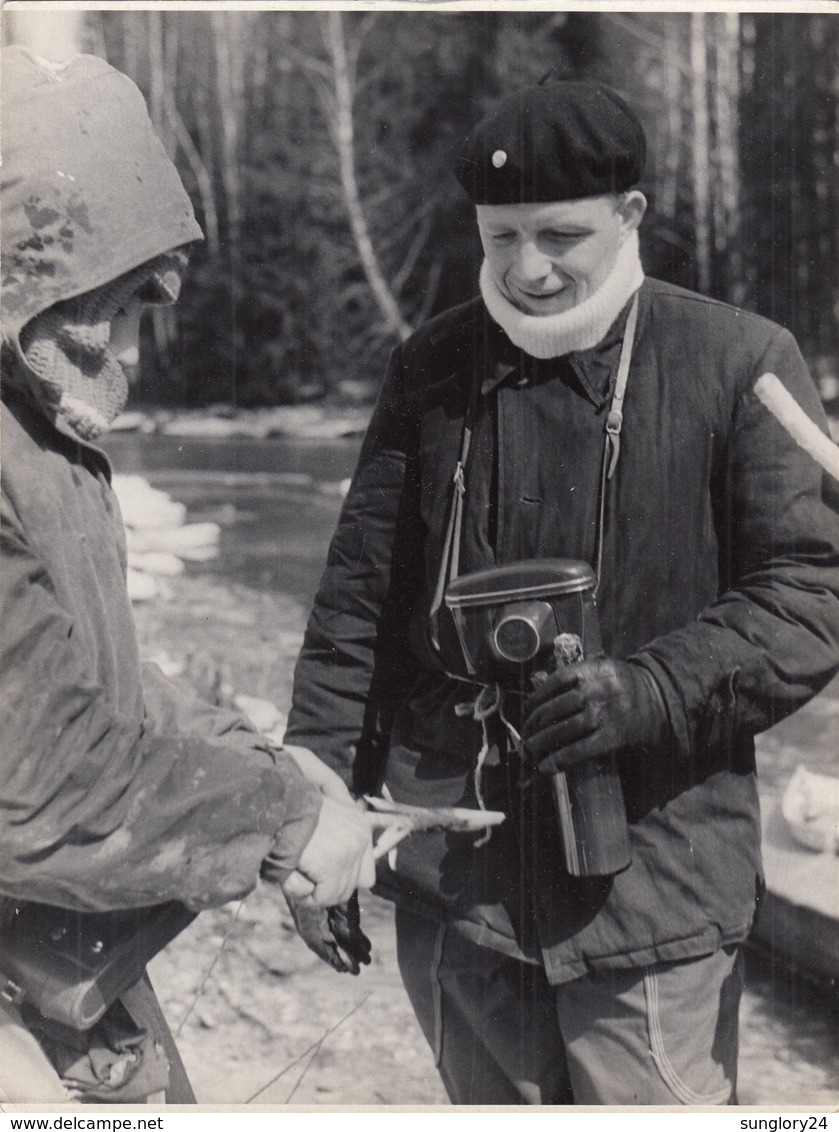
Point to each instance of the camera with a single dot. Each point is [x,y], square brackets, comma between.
[504,624]
[504,620]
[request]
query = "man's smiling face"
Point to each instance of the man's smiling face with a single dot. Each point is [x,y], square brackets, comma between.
[548,258]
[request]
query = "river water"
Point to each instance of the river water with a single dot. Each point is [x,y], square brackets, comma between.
[277,502]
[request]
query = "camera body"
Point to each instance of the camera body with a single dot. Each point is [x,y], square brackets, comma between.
[504,620]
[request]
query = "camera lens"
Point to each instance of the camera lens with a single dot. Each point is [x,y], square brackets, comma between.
[516,639]
[523,630]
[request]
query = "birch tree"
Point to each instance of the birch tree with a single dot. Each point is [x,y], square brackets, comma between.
[336,85]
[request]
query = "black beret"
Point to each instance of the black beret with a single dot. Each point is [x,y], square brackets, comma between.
[559,140]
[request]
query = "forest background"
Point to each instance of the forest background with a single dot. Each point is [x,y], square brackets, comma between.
[317,147]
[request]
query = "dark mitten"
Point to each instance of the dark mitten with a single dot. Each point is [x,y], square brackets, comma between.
[593,709]
[334,934]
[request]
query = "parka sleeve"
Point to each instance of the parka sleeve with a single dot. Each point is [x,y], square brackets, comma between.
[355,656]
[105,809]
[771,640]
[171,706]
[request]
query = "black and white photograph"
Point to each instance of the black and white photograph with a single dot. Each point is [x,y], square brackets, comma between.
[419,557]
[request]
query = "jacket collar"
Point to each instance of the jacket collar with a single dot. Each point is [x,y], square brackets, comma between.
[593,369]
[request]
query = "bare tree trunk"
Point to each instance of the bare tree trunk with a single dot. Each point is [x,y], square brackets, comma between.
[259,78]
[823,191]
[157,76]
[673,100]
[130,45]
[828,244]
[343,132]
[225,40]
[199,170]
[95,34]
[751,248]
[747,52]
[726,105]
[162,318]
[202,104]
[182,137]
[701,151]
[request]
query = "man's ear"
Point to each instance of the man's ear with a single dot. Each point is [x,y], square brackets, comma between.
[631,209]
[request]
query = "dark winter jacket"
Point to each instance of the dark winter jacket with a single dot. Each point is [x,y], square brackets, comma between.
[117,789]
[720,575]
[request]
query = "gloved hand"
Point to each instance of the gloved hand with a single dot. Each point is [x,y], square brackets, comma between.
[334,934]
[593,709]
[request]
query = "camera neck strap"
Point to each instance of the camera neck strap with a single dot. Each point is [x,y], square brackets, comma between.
[614,424]
[450,559]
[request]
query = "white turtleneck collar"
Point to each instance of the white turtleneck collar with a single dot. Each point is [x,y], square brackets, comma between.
[581,327]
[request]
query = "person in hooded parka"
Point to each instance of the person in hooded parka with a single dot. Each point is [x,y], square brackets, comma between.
[119,789]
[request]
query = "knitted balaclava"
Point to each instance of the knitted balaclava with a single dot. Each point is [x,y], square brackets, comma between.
[78,378]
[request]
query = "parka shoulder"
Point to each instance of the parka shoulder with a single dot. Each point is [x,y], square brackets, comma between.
[693,307]
[446,340]
[721,345]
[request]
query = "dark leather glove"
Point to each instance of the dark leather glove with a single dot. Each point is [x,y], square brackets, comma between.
[334,934]
[593,709]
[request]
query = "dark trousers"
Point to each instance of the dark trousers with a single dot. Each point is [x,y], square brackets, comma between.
[502,1034]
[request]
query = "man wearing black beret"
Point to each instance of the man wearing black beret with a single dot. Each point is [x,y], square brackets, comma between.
[577,411]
